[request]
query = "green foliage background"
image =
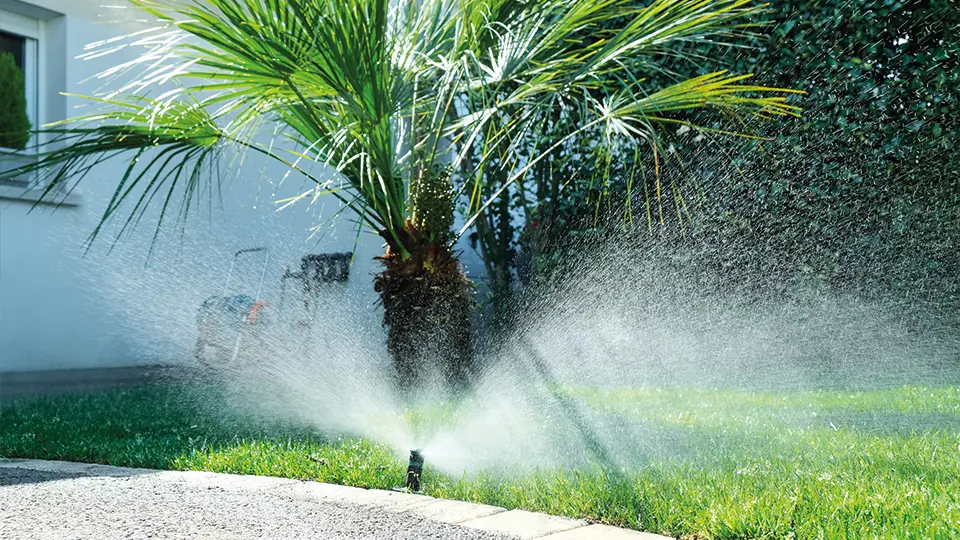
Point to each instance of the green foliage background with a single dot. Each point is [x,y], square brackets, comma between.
[14,123]
[861,195]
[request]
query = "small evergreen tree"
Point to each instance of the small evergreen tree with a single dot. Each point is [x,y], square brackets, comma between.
[14,123]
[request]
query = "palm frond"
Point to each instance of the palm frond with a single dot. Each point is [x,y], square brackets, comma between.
[174,142]
[377,90]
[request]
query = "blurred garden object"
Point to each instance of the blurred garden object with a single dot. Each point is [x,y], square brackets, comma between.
[223,320]
[231,325]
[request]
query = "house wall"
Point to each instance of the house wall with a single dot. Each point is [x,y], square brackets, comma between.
[60,309]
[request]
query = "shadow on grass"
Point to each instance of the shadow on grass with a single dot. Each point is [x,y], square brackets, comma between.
[147,427]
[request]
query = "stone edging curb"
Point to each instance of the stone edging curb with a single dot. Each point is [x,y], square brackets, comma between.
[478,516]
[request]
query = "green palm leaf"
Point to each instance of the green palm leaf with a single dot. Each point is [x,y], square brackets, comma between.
[378,91]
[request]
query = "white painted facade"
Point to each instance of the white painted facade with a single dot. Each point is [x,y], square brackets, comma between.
[61,310]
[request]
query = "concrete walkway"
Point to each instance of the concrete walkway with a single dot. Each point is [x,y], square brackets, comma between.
[47,500]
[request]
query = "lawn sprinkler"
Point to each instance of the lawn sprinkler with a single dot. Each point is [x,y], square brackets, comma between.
[414,470]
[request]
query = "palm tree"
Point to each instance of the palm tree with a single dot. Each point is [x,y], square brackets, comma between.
[395,97]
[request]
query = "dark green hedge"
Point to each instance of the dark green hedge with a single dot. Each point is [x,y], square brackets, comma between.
[862,194]
[14,123]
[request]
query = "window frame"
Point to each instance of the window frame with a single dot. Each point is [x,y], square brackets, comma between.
[31,30]
[32,23]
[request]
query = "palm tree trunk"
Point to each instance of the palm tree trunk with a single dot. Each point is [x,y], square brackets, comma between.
[427,301]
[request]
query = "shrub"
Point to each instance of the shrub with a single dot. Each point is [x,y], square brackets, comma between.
[14,123]
[861,195]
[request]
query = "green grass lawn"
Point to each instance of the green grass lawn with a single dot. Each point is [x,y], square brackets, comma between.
[812,464]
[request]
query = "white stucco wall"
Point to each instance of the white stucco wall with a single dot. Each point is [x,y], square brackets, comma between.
[60,310]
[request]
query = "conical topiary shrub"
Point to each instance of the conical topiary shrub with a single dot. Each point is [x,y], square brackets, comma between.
[14,123]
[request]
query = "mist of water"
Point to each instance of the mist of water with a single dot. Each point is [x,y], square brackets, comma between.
[614,322]
[620,321]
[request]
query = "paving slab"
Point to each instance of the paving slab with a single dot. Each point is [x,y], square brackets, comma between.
[524,524]
[447,511]
[603,532]
[233,482]
[318,491]
[397,501]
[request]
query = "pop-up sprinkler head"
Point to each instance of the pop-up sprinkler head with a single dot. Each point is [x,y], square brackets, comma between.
[414,470]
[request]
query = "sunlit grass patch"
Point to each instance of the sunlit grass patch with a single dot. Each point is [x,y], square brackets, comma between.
[353,462]
[721,463]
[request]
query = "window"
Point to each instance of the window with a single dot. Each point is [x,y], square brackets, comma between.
[37,39]
[15,45]
[20,36]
